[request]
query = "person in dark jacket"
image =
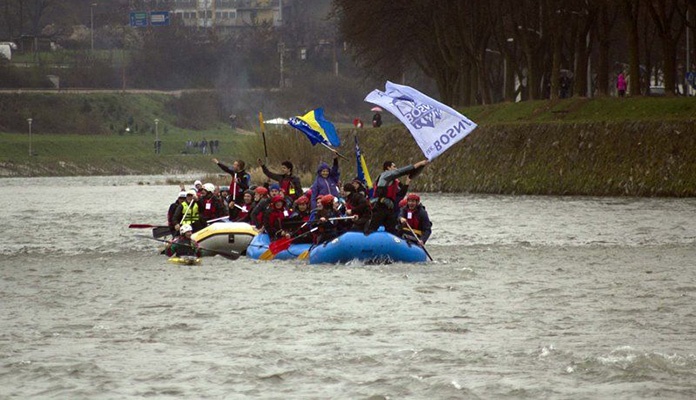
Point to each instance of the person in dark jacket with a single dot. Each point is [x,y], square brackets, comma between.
[384,201]
[241,180]
[358,207]
[413,215]
[171,222]
[273,218]
[209,205]
[183,245]
[289,183]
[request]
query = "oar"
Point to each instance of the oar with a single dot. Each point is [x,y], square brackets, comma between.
[233,254]
[161,231]
[284,243]
[420,242]
[140,226]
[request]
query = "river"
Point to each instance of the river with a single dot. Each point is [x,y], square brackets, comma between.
[528,298]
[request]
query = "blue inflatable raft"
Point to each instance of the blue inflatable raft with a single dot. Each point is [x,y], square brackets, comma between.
[260,243]
[378,247]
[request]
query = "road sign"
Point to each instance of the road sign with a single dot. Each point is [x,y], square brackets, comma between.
[159,18]
[138,19]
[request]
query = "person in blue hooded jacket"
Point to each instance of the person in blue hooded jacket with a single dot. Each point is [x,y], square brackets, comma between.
[326,181]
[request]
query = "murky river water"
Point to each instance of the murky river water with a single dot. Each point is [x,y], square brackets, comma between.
[529,297]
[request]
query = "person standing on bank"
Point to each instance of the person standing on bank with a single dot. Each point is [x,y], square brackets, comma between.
[289,183]
[621,84]
[384,200]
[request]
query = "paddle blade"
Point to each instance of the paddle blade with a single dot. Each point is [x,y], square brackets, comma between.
[141,226]
[160,231]
[267,255]
[279,245]
[304,255]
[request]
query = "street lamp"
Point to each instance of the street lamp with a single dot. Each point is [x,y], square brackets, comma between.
[157,142]
[31,153]
[91,25]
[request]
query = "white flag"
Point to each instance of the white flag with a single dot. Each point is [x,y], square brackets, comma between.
[435,126]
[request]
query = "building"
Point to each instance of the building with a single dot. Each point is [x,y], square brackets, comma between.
[227,14]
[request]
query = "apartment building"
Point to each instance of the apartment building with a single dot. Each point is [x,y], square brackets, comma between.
[228,14]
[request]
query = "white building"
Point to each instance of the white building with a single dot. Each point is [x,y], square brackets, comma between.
[227,14]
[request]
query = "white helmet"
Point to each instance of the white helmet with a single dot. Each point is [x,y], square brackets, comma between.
[197,183]
[185,228]
[209,187]
[182,195]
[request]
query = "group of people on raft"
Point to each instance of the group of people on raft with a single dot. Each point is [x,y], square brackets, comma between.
[284,210]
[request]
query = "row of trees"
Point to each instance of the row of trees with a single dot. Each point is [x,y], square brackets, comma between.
[476,50]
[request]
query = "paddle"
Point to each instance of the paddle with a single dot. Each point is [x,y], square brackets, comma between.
[233,254]
[284,243]
[140,226]
[420,242]
[161,231]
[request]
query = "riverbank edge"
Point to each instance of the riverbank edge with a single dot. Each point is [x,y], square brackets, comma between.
[644,158]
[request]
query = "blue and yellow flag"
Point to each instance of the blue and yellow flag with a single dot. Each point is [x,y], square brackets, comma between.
[317,129]
[363,173]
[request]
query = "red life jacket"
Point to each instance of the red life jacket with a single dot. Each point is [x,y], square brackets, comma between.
[246,209]
[412,218]
[391,190]
[209,210]
[275,220]
[289,189]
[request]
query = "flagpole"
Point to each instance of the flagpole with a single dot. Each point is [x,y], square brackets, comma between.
[334,151]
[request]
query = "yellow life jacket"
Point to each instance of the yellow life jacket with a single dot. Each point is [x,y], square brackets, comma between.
[190,216]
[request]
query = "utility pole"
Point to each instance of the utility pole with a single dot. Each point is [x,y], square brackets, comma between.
[31,153]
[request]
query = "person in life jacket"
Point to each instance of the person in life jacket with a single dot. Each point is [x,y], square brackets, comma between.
[183,245]
[171,222]
[357,206]
[274,190]
[326,229]
[273,218]
[326,181]
[187,212]
[415,216]
[198,186]
[240,213]
[298,221]
[289,183]
[385,193]
[262,201]
[241,180]
[209,205]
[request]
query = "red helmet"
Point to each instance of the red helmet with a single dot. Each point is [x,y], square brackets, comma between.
[402,203]
[261,190]
[413,196]
[302,200]
[278,198]
[327,200]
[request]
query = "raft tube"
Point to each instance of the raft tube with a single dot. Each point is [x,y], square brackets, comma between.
[377,247]
[225,237]
[260,243]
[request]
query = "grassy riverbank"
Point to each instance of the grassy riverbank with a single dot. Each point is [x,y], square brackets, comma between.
[632,146]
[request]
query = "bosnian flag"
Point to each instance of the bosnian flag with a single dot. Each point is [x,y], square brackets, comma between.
[316,128]
[435,126]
